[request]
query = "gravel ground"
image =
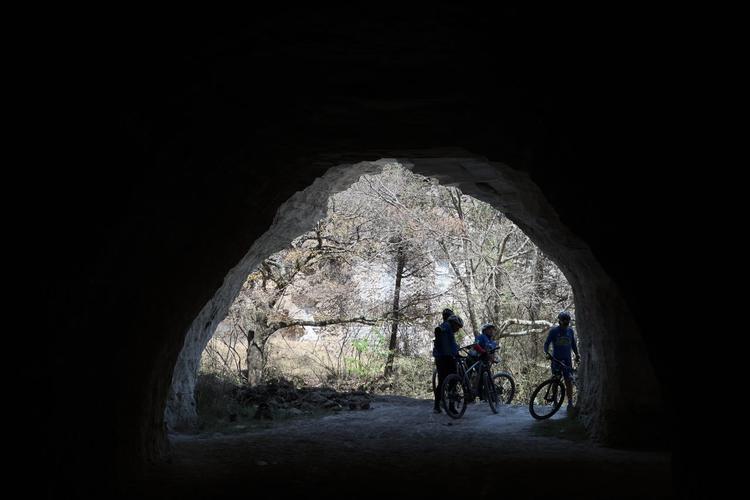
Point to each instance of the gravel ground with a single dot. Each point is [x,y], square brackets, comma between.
[400,449]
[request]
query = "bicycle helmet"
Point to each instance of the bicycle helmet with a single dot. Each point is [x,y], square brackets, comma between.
[487,326]
[455,319]
[447,313]
[564,316]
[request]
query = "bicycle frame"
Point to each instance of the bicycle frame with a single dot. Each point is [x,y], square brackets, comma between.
[467,368]
[473,378]
[463,359]
[559,375]
[478,367]
[465,374]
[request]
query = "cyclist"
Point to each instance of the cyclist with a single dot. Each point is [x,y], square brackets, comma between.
[447,313]
[563,341]
[445,353]
[483,344]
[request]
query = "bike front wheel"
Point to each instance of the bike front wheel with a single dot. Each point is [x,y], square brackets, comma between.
[546,399]
[505,387]
[455,395]
[489,391]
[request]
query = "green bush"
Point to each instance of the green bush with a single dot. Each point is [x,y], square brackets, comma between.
[368,360]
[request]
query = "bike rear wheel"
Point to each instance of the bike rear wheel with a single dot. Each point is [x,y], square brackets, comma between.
[454,396]
[489,391]
[505,387]
[546,399]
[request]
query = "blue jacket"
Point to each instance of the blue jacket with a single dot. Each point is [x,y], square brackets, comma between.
[563,341]
[445,341]
[485,342]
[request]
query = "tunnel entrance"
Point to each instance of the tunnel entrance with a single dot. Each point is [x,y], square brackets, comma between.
[611,401]
[351,304]
[400,438]
[213,129]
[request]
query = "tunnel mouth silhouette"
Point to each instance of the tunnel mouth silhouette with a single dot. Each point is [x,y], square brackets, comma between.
[348,308]
[613,401]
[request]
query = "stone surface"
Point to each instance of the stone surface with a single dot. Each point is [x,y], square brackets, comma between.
[294,217]
[199,132]
[613,400]
[423,456]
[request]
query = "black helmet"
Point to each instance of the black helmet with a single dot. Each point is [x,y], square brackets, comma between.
[564,316]
[447,313]
[455,319]
[487,326]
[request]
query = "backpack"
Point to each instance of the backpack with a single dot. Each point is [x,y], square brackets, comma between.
[436,340]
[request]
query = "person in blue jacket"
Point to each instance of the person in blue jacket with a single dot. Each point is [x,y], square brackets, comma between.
[484,342]
[483,345]
[445,351]
[563,341]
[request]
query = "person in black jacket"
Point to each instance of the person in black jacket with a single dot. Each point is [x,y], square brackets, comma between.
[445,351]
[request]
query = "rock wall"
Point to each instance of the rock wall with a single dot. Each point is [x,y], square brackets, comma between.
[183,138]
[294,217]
[614,398]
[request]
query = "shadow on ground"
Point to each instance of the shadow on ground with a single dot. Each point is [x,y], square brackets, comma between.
[400,449]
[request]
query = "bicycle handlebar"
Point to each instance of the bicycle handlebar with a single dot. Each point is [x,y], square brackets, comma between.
[468,347]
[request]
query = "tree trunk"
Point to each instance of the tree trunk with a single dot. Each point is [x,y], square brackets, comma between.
[536,281]
[467,291]
[400,264]
[254,359]
[468,280]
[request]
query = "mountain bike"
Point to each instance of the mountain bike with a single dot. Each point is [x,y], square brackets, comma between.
[505,384]
[473,379]
[548,396]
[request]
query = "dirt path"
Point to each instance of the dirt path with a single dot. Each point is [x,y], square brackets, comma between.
[399,448]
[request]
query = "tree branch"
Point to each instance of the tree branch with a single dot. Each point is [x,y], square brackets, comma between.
[283,324]
[525,322]
[518,252]
[521,333]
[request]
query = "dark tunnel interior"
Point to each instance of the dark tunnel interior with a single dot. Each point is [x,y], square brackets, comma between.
[188,131]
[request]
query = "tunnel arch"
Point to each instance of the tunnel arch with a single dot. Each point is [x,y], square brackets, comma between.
[191,122]
[615,399]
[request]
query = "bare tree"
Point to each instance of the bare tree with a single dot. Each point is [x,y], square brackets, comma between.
[392,251]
